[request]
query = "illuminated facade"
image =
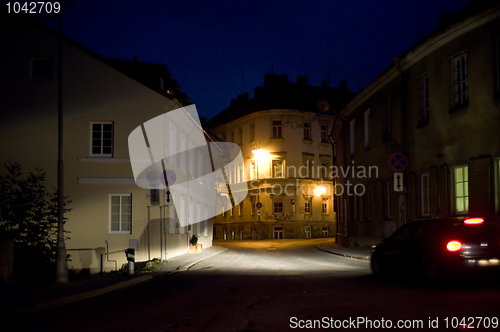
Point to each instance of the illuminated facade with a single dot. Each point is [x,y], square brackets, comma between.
[439,105]
[101,107]
[287,164]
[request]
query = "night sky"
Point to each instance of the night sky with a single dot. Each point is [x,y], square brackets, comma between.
[216,50]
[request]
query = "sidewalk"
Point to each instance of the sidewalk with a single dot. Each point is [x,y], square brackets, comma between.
[20,299]
[336,249]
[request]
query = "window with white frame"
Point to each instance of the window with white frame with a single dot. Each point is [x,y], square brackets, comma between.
[460,80]
[101,139]
[277,205]
[307,205]
[461,189]
[253,202]
[120,214]
[424,188]
[352,136]
[41,69]
[307,131]
[423,95]
[324,133]
[324,206]
[277,168]
[277,129]
[367,128]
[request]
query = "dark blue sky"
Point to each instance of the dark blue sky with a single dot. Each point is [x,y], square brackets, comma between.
[210,45]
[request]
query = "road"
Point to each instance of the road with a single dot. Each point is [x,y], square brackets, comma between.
[272,286]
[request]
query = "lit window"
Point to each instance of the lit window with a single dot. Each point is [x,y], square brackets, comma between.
[307,131]
[462,189]
[277,170]
[425,194]
[277,206]
[101,139]
[41,68]
[324,206]
[277,129]
[460,80]
[367,128]
[423,87]
[120,214]
[307,205]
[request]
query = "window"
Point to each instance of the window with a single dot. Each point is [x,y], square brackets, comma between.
[252,132]
[367,129]
[460,81]
[325,231]
[307,205]
[462,189]
[102,139]
[277,206]
[277,170]
[240,209]
[41,68]
[276,128]
[324,134]
[352,136]
[307,131]
[252,204]
[423,94]
[425,194]
[120,214]
[324,206]
[232,137]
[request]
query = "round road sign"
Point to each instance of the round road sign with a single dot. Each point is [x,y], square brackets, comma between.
[398,162]
[168,178]
[259,205]
[259,212]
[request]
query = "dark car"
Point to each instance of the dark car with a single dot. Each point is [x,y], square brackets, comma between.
[439,249]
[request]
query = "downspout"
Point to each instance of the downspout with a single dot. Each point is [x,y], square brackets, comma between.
[335,180]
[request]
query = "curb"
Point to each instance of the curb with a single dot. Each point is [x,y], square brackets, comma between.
[196,262]
[363,258]
[83,296]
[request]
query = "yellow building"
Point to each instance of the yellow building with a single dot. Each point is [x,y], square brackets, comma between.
[101,107]
[287,161]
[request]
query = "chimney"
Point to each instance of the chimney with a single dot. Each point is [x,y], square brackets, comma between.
[302,80]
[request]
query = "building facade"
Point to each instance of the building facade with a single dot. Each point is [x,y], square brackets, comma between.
[101,107]
[438,105]
[287,161]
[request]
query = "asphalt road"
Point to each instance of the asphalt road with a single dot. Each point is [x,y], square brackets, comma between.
[275,285]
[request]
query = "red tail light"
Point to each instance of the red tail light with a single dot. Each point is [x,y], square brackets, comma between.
[473,221]
[454,245]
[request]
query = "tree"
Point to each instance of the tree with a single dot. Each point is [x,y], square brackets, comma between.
[28,213]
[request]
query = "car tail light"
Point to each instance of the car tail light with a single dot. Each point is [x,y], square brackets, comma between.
[454,245]
[473,221]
